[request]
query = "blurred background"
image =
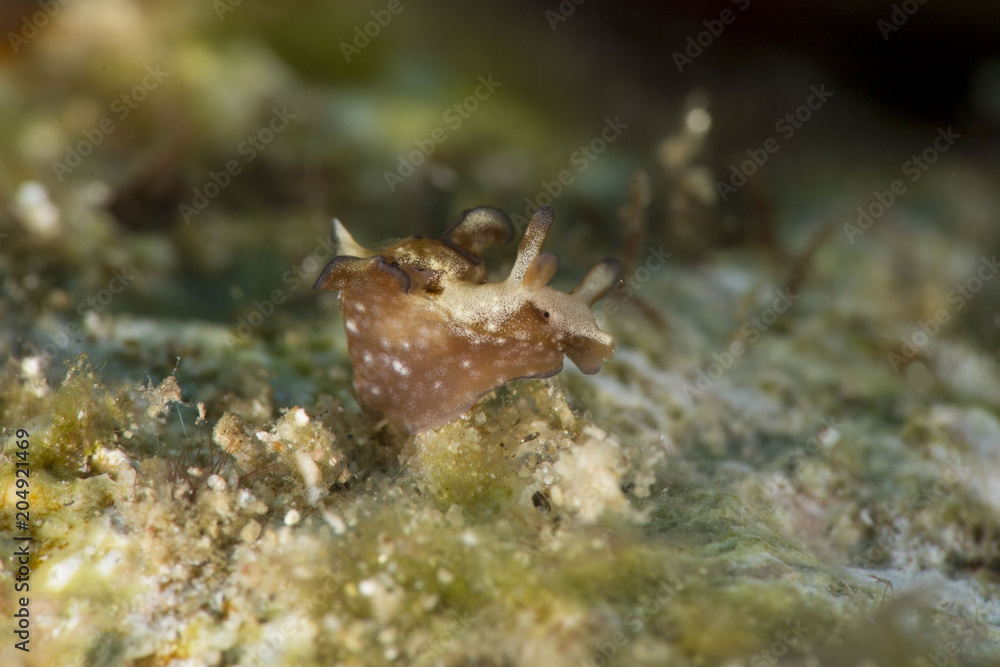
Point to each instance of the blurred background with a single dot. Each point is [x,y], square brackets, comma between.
[119,113]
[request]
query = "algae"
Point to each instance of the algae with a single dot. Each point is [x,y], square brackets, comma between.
[205,490]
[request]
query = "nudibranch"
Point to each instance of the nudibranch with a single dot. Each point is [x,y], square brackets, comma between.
[428,336]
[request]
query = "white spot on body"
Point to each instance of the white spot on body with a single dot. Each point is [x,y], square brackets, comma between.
[351,326]
[400,367]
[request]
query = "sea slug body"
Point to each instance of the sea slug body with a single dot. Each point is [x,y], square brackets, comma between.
[428,336]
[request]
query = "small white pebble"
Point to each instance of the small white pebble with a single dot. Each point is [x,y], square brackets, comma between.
[216,483]
[335,522]
[307,468]
[33,206]
[556,495]
[251,531]
[367,587]
[61,573]
[109,563]
[301,418]
[292,517]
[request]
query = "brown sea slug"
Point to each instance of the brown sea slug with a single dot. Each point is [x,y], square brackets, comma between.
[428,335]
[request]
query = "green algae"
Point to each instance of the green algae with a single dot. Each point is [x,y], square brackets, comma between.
[443,528]
[329,536]
[208,492]
[83,419]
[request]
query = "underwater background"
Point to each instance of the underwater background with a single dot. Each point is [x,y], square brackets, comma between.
[793,458]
